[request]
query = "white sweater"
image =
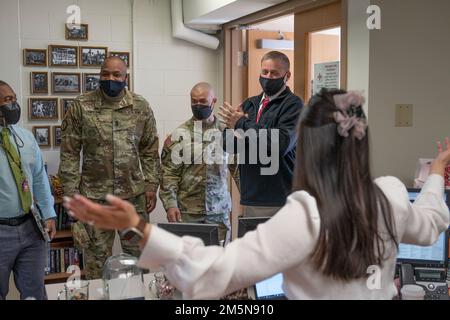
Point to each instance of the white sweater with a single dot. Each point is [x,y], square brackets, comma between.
[284,244]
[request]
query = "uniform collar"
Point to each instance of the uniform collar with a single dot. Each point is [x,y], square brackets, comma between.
[126,101]
[215,123]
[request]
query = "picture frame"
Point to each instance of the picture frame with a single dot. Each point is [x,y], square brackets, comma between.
[57,136]
[43,109]
[92,57]
[35,57]
[42,135]
[91,82]
[125,56]
[77,32]
[65,104]
[66,82]
[39,82]
[63,56]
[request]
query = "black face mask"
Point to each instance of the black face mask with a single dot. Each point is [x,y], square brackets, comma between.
[10,113]
[112,88]
[201,112]
[271,86]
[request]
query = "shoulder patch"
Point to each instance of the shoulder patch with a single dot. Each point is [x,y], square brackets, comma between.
[168,142]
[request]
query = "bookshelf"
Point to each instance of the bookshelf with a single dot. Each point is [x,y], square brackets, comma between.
[61,251]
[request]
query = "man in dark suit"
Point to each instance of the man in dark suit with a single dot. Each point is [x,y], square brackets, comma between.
[272,117]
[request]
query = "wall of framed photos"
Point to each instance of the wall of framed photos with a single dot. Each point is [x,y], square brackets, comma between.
[60,62]
[60,71]
[61,86]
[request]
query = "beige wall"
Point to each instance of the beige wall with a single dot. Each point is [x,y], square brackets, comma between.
[324,48]
[409,63]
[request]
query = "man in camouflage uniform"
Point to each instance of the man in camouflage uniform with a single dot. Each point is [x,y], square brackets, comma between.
[195,189]
[116,132]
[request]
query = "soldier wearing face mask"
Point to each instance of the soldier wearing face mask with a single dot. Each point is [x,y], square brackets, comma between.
[194,189]
[276,108]
[23,181]
[115,131]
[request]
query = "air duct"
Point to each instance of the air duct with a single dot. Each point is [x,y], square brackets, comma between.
[180,31]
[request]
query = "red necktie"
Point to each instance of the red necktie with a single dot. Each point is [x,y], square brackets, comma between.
[265,102]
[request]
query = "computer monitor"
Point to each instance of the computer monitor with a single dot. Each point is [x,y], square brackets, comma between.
[271,288]
[209,233]
[434,256]
[249,224]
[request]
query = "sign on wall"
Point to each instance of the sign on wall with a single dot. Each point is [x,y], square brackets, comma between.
[326,75]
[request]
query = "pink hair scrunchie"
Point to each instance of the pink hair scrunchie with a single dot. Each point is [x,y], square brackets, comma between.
[350,116]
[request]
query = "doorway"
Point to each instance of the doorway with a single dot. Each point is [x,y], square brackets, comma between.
[320,49]
[318,32]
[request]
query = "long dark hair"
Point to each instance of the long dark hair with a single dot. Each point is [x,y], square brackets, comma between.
[336,172]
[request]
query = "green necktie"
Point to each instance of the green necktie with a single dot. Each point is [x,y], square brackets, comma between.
[16,168]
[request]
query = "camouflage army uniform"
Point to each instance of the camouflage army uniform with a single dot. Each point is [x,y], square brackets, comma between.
[119,145]
[199,190]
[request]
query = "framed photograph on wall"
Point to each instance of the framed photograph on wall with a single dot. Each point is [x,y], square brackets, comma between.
[125,56]
[91,81]
[43,108]
[42,135]
[35,57]
[65,105]
[66,82]
[57,136]
[92,56]
[77,32]
[63,56]
[39,82]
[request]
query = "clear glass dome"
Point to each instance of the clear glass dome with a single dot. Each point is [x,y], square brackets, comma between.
[122,278]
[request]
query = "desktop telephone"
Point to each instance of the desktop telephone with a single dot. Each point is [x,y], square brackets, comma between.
[432,280]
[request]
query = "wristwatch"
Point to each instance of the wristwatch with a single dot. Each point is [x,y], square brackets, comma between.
[134,234]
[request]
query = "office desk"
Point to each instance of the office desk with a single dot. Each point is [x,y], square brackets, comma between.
[96,290]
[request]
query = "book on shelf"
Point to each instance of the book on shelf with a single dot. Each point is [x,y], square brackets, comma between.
[59,259]
[63,219]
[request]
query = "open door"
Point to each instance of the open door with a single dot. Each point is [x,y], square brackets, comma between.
[320,49]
